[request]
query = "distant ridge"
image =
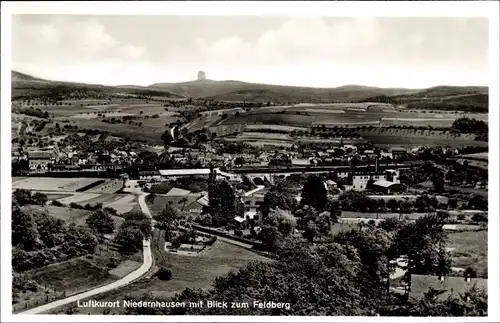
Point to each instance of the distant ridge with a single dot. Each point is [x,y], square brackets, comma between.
[24,85]
[27,86]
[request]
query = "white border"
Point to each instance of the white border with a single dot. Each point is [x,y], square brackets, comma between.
[308,8]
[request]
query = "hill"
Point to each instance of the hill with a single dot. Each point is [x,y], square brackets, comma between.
[470,98]
[27,87]
[467,98]
[242,91]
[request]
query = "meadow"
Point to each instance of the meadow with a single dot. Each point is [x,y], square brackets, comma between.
[52,184]
[412,138]
[470,250]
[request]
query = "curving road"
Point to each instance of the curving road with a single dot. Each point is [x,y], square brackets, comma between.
[146,265]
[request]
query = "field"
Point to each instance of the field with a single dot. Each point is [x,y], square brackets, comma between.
[75,276]
[346,115]
[124,204]
[409,137]
[52,184]
[109,186]
[262,142]
[471,250]
[360,215]
[91,114]
[264,136]
[275,127]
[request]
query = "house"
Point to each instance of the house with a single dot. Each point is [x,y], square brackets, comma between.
[150,175]
[301,162]
[387,187]
[180,198]
[385,154]
[360,180]
[444,285]
[39,160]
[330,184]
[369,153]
[398,151]
[196,207]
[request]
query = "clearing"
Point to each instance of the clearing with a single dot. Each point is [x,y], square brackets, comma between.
[471,250]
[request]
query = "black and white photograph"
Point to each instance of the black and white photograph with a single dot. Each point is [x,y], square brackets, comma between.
[294,165]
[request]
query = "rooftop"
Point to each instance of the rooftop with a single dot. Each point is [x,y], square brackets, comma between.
[178,192]
[384,183]
[39,155]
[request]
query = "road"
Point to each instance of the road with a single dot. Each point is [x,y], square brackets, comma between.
[172,133]
[146,265]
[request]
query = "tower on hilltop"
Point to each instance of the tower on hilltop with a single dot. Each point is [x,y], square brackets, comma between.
[201,76]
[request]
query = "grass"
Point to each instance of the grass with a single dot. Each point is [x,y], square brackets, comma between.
[52,184]
[349,214]
[70,215]
[471,250]
[77,275]
[125,268]
[339,227]
[52,197]
[125,204]
[410,137]
[103,198]
[71,276]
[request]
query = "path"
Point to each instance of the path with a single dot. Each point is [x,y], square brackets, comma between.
[146,265]
[172,133]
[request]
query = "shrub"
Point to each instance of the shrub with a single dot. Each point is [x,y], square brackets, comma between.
[211,241]
[238,233]
[74,205]
[57,203]
[164,273]
[113,262]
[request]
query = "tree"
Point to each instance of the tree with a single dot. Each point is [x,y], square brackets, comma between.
[473,302]
[270,237]
[279,195]
[139,220]
[423,243]
[224,205]
[129,238]
[437,179]
[373,250]
[24,230]
[101,222]
[314,280]
[480,218]
[164,273]
[478,202]
[166,137]
[282,220]
[314,193]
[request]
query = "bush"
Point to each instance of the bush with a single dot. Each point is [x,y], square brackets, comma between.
[480,218]
[211,241]
[74,205]
[238,233]
[164,273]
[113,262]
[57,203]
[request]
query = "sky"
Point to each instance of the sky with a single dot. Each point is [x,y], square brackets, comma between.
[303,51]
